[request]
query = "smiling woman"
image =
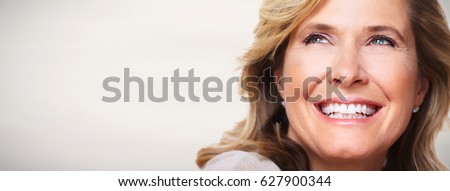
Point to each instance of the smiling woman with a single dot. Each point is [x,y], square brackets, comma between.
[391,64]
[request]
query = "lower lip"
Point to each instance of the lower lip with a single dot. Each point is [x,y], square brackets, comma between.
[345,121]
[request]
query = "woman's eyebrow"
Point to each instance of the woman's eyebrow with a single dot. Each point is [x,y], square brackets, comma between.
[319,27]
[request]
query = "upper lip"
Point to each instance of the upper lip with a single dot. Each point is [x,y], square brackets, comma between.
[349,100]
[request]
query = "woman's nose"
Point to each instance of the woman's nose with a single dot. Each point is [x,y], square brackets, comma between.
[346,68]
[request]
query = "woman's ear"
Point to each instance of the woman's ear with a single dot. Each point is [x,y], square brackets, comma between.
[279,81]
[421,91]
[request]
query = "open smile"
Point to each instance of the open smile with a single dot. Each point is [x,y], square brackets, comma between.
[348,110]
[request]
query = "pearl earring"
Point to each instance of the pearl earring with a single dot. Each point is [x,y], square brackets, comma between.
[282,103]
[416,109]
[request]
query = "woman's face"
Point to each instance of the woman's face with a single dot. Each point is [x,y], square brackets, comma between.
[374,83]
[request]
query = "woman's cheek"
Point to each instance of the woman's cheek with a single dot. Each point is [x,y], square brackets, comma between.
[306,70]
[395,74]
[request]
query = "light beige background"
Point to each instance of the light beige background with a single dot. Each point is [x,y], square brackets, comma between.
[54,56]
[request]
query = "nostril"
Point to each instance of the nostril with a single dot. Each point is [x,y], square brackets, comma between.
[336,80]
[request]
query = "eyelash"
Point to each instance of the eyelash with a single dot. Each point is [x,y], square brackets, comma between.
[313,37]
[309,39]
[390,41]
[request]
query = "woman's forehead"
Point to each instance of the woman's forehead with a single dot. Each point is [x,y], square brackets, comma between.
[361,14]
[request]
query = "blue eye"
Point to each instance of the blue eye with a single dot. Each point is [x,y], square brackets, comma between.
[382,40]
[316,38]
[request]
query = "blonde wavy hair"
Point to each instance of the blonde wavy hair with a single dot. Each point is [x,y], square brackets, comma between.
[264,129]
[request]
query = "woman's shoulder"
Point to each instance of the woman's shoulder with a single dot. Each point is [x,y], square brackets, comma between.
[240,161]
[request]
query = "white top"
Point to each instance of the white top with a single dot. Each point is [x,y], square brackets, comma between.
[240,161]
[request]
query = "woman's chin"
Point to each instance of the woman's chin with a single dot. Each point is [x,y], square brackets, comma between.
[346,152]
[347,155]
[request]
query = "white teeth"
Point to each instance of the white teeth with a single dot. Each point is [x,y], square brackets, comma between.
[348,111]
[347,116]
[370,111]
[343,108]
[364,109]
[351,109]
[358,108]
[336,107]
